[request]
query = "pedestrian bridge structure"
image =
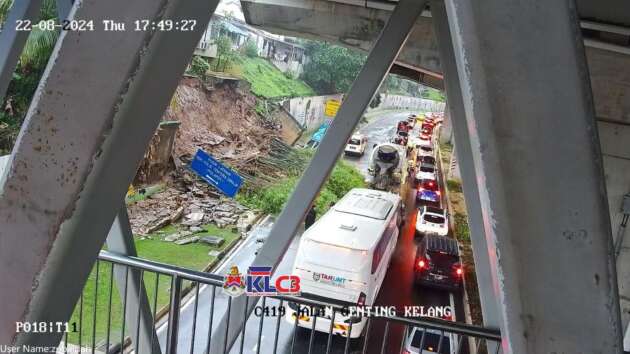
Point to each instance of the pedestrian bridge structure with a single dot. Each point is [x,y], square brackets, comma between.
[539,104]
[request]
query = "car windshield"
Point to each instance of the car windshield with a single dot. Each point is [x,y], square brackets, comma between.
[431,342]
[426,169]
[435,219]
[354,142]
[428,159]
[426,148]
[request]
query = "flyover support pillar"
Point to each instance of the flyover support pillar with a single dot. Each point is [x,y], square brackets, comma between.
[536,155]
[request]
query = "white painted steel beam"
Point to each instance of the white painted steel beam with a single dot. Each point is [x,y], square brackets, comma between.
[97,107]
[536,154]
[377,65]
[130,284]
[485,257]
[63,8]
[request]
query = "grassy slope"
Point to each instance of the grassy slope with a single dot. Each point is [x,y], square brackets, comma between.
[271,199]
[433,94]
[193,256]
[269,82]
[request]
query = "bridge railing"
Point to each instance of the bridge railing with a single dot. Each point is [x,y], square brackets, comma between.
[177,310]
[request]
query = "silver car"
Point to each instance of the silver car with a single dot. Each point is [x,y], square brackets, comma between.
[430,340]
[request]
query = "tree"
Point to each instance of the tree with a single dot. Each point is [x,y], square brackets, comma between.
[376,101]
[225,54]
[28,72]
[330,68]
[250,48]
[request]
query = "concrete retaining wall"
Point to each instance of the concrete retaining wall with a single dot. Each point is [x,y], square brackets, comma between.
[309,111]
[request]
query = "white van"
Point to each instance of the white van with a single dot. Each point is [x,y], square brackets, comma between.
[344,256]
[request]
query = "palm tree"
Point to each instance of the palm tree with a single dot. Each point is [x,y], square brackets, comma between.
[30,68]
[40,43]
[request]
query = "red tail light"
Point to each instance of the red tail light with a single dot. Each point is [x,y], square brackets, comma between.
[422,264]
[437,192]
[361,301]
[459,270]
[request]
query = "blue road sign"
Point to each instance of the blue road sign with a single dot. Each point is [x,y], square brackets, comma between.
[214,172]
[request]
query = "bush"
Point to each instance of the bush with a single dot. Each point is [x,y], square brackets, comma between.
[272,199]
[250,48]
[376,101]
[198,66]
[454,186]
[343,178]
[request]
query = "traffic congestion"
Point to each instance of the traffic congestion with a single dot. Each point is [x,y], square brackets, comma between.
[383,249]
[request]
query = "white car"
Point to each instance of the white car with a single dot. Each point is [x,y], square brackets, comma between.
[425,172]
[424,151]
[429,339]
[432,221]
[356,145]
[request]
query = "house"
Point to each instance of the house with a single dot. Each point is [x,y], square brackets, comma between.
[284,53]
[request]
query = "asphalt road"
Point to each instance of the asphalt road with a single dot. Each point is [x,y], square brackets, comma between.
[398,290]
[379,130]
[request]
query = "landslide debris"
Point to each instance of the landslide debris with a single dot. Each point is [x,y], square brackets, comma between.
[222,120]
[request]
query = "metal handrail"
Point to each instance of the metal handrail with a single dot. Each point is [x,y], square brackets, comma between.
[337,306]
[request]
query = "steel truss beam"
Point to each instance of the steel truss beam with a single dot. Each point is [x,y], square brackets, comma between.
[537,160]
[97,107]
[485,260]
[131,286]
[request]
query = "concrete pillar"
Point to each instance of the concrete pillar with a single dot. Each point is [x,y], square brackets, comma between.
[485,258]
[537,159]
[446,132]
[97,107]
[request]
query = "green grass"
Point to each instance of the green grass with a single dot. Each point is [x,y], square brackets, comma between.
[269,82]
[433,94]
[272,199]
[462,232]
[193,256]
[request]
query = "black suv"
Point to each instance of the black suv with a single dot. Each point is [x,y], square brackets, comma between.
[438,264]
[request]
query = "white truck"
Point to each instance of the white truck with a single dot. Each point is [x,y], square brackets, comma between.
[385,166]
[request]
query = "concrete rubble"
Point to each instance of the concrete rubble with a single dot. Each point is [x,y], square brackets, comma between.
[191,203]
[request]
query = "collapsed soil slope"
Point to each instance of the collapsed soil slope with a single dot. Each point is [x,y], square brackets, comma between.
[222,121]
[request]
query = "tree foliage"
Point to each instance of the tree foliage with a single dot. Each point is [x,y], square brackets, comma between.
[376,101]
[250,48]
[27,74]
[330,68]
[225,53]
[198,66]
